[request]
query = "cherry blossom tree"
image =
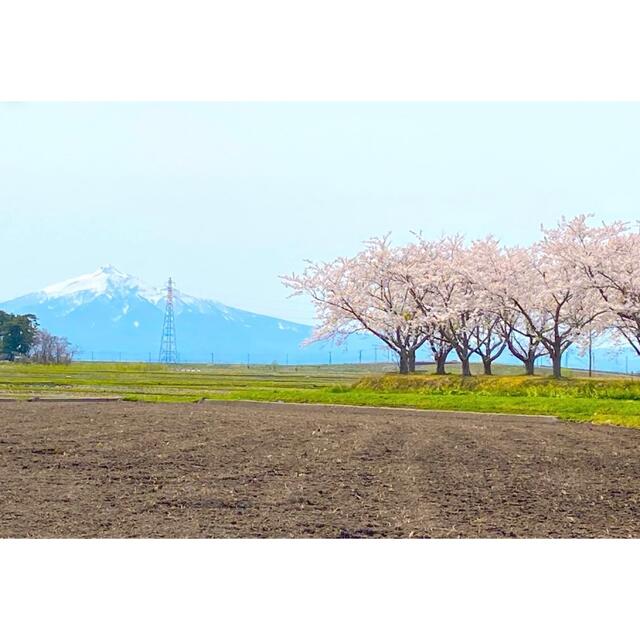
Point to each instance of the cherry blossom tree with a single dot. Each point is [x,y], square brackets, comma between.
[557,308]
[490,272]
[489,332]
[608,258]
[438,283]
[364,294]
[416,273]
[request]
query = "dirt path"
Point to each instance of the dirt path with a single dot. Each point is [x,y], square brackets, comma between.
[254,470]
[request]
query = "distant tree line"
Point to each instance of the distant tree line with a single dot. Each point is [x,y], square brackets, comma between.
[22,339]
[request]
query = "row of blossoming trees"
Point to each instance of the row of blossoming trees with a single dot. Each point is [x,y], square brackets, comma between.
[576,283]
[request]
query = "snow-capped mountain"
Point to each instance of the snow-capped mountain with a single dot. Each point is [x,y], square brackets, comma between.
[109,314]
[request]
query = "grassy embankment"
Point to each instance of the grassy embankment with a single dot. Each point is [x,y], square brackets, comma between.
[613,400]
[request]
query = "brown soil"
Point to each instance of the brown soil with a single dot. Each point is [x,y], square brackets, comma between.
[258,470]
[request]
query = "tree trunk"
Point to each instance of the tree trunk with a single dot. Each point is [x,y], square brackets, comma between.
[466,369]
[529,364]
[440,354]
[487,366]
[404,362]
[412,361]
[556,359]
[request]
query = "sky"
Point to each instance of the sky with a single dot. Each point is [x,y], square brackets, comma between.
[225,197]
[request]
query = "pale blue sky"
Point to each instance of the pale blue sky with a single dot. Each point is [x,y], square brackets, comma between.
[226,196]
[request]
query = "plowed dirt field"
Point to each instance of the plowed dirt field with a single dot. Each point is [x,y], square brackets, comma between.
[240,469]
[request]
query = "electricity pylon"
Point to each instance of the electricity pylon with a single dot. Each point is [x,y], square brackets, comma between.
[168,349]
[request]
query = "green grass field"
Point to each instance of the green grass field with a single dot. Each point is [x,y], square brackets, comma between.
[601,399]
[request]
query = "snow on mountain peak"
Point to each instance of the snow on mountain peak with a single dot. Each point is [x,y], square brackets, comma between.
[111,282]
[106,280]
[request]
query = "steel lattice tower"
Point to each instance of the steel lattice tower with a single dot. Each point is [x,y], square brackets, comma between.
[168,350]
